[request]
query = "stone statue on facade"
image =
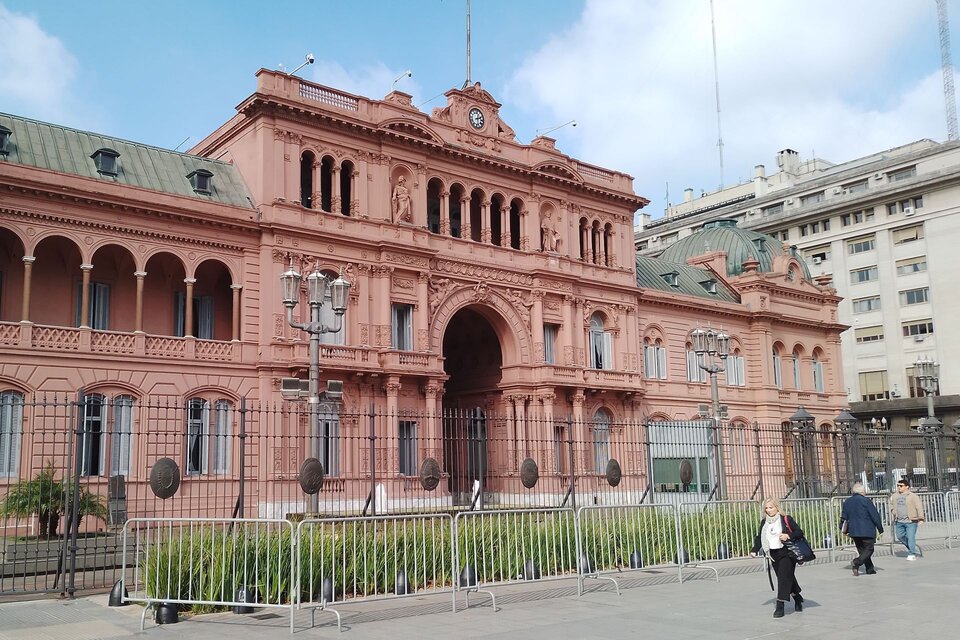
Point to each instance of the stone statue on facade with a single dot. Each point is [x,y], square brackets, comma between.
[402,210]
[549,236]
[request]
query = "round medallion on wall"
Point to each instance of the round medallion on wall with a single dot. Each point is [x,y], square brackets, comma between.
[475,116]
[164,478]
[311,476]
[529,473]
[614,473]
[686,472]
[430,474]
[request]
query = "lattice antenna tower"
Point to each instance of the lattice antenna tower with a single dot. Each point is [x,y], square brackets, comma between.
[716,81]
[946,61]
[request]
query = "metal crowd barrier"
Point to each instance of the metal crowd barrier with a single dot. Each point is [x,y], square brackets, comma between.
[716,531]
[818,520]
[345,560]
[209,561]
[625,537]
[500,547]
[952,502]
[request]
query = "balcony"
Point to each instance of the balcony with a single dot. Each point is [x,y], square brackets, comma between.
[115,343]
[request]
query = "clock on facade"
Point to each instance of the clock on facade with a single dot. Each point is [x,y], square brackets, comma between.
[476,118]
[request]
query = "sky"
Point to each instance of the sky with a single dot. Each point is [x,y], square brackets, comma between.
[828,78]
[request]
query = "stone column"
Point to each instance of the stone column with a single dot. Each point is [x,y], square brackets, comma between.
[524,230]
[236,288]
[334,188]
[512,429]
[485,235]
[536,326]
[465,231]
[578,333]
[384,320]
[138,322]
[354,196]
[392,387]
[364,320]
[422,323]
[27,279]
[444,213]
[566,333]
[431,393]
[85,296]
[520,408]
[543,432]
[188,308]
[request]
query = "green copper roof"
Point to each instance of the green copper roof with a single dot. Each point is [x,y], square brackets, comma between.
[680,279]
[57,148]
[739,245]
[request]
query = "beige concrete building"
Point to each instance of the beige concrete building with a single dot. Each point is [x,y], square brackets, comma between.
[883,226]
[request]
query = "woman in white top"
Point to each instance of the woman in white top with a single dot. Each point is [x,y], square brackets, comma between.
[775,529]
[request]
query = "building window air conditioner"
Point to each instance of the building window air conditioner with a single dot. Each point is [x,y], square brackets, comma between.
[909,211]
[919,338]
[837,191]
[789,200]
[878,176]
[817,259]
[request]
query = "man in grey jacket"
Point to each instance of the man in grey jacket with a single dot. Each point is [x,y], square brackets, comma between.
[860,520]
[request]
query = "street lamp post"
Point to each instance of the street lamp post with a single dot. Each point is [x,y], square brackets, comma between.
[319,287]
[847,428]
[879,426]
[712,348]
[804,428]
[928,374]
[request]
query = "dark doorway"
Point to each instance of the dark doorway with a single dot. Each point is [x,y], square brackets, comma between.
[473,360]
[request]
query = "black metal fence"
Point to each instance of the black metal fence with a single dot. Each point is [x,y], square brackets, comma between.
[77,468]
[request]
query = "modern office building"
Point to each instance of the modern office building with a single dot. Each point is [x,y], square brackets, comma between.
[885,228]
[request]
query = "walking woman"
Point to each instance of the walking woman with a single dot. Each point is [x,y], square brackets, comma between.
[775,529]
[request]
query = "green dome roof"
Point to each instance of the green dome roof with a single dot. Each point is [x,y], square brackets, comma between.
[739,245]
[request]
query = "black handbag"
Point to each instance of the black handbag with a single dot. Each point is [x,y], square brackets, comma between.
[799,549]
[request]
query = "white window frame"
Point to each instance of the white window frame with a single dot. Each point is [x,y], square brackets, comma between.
[654,360]
[550,343]
[401,326]
[601,344]
[777,370]
[735,372]
[817,375]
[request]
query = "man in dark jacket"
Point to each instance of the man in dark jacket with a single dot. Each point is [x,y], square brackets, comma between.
[860,520]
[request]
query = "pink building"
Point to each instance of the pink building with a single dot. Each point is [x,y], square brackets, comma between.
[487,276]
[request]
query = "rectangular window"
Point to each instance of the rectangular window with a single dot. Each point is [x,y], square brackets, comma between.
[601,445]
[868,334]
[121,436]
[198,431]
[220,438]
[908,234]
[914,296]
[902,174]
[863,305]
[735,372]
[855,187]
[601,350]
[867,274]
[667,240]
[550,343]
[98,314]
[772,210]
[861,245]
[825,224]
[873,386]
[777,371]
[91,439]
[784,235]
[818,254]
[911,265]
[813,198]
[330,439]
[655,361]
[408,448]
[921,328]
[401,334]
[694,372]
[11,430]
[797,380]
[817,376]
[202,316]
[846,220]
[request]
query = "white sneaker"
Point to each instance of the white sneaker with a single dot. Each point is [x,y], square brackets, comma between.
[911,557]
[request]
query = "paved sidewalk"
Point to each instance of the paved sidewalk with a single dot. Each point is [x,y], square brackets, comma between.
[904,600]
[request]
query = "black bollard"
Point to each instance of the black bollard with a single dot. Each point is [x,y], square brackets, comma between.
[530,570]
[636,560]
[244,595]
[166,614]
[468,577]
[402,586]
[117,594]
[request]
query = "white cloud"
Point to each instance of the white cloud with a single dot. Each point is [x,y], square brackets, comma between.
[841,78]
[36,69]
[371,81]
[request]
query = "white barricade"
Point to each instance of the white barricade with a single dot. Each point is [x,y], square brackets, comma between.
[818,520]
[952,501]
[346,560]
[717,531]
[209,561]
[499,547]
[620,538]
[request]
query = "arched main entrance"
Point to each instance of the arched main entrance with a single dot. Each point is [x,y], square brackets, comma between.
[473,360]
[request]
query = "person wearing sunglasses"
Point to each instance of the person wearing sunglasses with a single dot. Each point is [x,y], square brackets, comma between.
[906,511]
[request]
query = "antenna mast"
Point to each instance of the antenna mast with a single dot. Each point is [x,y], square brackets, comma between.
[947,63]
[716,78]
[467,83]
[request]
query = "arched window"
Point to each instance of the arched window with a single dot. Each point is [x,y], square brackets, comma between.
[307,160]
[11,431]
[797,380]
[326,183]
[515,207]
[107,426]
[817,374]
[92,451]
[329,318]
[601,344]
[346,180]
[434,187]
[121,435]
[456,213]
[736,375]
[601,440]
[208,445]
[654,359]
[777,369]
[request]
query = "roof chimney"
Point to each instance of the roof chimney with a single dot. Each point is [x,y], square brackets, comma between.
[688,195]
[789,161]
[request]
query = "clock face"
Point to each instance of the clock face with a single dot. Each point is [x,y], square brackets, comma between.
[476,118]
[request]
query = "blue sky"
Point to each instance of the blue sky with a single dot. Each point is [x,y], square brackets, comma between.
[838,79]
